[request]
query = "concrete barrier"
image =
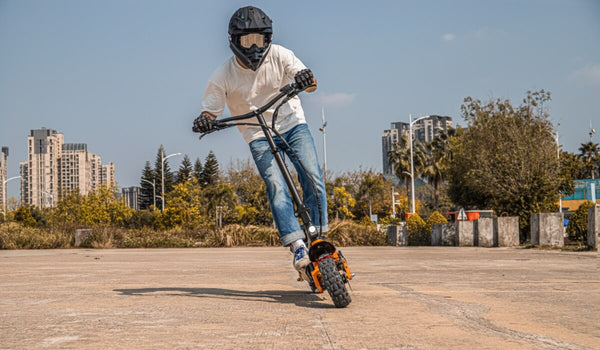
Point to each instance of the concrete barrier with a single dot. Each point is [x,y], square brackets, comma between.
[397,235]
[81,235]
[436,234]
[506,231]
[593,231]
[547,230]
[448,234]
[484,228]
[465,233]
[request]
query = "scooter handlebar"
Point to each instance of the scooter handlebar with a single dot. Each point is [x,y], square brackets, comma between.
[287,91]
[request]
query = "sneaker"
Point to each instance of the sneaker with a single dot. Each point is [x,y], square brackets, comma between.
[301,259]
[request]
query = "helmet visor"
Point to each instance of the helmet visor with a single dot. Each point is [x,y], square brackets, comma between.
[247,40]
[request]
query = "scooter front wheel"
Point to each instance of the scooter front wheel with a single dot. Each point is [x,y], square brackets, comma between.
[333,283]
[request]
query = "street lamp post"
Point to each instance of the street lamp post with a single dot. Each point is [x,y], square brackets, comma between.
[322,129]
[153,183]
[4,194]
[394,193]
[412,171]
[558,156]
[51,195]
[162,173]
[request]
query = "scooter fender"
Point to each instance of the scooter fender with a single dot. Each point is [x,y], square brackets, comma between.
[319,248]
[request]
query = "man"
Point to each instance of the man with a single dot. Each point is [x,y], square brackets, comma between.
[253,76]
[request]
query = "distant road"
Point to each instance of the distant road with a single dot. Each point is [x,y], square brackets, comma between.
[248,298]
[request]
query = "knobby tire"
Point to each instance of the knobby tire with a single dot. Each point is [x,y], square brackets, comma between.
[333,282]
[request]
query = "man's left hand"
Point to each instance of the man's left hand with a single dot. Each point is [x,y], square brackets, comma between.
[304,79]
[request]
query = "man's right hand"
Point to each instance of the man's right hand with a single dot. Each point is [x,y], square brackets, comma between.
[203,123]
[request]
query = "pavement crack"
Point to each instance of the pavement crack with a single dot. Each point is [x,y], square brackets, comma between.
[324,328]
[471,316]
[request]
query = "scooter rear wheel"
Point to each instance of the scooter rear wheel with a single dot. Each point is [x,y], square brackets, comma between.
[333,283]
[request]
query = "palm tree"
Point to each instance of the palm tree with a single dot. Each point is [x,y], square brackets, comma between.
[590,155]
[400,159]
[437,161]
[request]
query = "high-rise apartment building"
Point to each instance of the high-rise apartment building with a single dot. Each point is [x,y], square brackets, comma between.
[3,176]
[96,170]
[107,175]
[75,169]
[55,168]
[424,130]
[131,195]
[39,173]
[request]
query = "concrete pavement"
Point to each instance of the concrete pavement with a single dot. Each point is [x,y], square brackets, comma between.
[403,298]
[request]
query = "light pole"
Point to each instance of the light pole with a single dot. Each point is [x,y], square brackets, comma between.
[394,193]
[51,195]
[162,173]
[322,129]
[4,194]
[412,171]
[558,156]
[153,183]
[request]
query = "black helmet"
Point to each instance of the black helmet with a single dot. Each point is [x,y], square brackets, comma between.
[250,33]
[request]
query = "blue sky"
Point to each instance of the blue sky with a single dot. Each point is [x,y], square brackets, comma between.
[127,76]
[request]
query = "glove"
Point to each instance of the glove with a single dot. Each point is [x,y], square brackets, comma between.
[304,79]
[203,123]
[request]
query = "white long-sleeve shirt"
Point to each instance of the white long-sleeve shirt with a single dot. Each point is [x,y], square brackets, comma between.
[245,90]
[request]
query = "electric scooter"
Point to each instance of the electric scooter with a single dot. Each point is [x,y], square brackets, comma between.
[328,269]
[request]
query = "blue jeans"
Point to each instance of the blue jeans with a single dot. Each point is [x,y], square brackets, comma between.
[282,207]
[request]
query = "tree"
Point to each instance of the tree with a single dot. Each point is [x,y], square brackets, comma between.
[341,203]
[147,188]
[23,215]
[249,187]
[185,206]
[371,191]
[507,158]
[220,201]
[590,155]
[400,159]
[571,168]
[158,170]
[210,171]
[99,207]
[185,170]
[198,169]
[437,161]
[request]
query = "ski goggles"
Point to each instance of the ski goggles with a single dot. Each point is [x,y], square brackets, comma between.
[247,40]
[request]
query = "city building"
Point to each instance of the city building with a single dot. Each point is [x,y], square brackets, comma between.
[424,130]
[39,173]
[3,176]
[96,170]
[107,175]
[75,169]
[131,195]
[54,168]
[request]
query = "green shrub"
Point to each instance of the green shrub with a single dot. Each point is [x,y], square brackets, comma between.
[16,236]
[237,235]
[577,228]
[435,219]
[418,234]
[349,233]
[23,215]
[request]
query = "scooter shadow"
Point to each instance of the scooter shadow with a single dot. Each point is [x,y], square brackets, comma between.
[299,298]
